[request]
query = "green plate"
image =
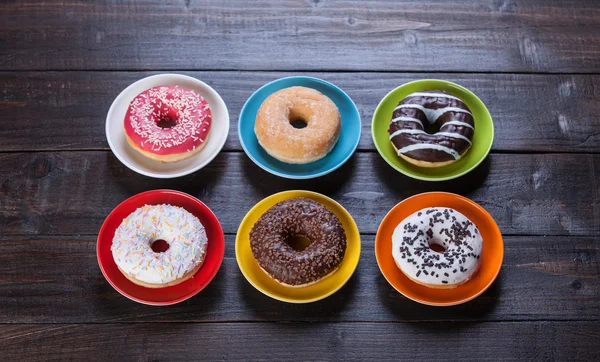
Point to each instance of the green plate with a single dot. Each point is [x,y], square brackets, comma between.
[482,140]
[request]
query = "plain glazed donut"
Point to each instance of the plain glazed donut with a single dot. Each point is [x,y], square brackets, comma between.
[283,141]
[418,111]
[132,246]
[454,232]
[168,123]
[289,218]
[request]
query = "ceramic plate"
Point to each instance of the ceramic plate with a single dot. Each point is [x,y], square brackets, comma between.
[482,140]
[115,134]
[491,257]
[322,289]
[341,152]
[176,293]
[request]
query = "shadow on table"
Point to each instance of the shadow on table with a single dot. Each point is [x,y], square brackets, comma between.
[196,184]
[404,309]
[266,184]
[328,309]
[405,186]
[206,305]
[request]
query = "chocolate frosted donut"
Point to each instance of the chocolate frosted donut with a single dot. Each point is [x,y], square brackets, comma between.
[289,218]
[418,111]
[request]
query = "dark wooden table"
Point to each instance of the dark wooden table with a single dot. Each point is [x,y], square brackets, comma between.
[536,64]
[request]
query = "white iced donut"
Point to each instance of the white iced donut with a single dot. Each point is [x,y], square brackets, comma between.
[132,246]
[455,233]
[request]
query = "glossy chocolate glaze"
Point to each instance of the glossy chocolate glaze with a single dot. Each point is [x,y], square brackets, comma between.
[299,216]
[449,140]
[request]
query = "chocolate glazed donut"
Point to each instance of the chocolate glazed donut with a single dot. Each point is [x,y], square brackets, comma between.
[418,111]
[300,216]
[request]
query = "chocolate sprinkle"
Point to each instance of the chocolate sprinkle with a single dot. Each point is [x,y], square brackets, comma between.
[286,219]
[443,226]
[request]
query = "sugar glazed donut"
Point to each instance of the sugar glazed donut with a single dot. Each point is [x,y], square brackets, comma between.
[132,246]
[415,113]
[297,125]
[462,243]
[270,235]
[168,123]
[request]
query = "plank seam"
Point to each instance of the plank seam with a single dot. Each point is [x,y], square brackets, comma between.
[42,236]
[436,321]
[366,151]
[299,70]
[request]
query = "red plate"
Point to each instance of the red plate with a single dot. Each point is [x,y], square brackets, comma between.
[176,293]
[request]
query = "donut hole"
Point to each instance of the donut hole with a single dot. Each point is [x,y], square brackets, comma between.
[432,128]
[436,246]
[166,122]
[159,246]
[298,242]
[298,123]
[297,120]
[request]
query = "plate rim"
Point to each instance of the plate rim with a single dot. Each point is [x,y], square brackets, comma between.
[299,177]
[424,178]
[297,301]
[465,199]
[201,84]
[180,299]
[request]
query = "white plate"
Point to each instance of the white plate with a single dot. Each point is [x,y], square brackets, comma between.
[115,133]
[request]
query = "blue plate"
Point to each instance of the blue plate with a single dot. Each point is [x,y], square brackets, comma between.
[341,152]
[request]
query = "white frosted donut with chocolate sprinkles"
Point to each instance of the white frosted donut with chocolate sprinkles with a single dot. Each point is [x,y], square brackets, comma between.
[451,231]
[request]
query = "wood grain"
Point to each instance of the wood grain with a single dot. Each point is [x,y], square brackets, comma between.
[531,341]
[57,280]
[534,63]
[73,192]
[532,113]
[505,36]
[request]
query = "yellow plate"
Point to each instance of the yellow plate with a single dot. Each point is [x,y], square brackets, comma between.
[322,289]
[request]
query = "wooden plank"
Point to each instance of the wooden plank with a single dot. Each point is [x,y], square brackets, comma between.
[532,113]
[538,341]
[515,36]
[57,280]
[72,192]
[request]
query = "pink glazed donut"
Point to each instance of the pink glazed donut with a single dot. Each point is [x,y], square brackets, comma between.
[168,123]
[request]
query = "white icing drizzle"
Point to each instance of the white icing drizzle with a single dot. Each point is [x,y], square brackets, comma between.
[410,131]
[418,131]
[433,114]
[453,135]
[458,123]
[421,146]
[437,95]
[408,119]
[458,235]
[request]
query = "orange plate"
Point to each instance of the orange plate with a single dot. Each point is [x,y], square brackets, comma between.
[491,258]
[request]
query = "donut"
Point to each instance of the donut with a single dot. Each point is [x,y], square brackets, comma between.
[271,234]
[297,125]
[132,246]
[421,111]
[168,123]
[413,247]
